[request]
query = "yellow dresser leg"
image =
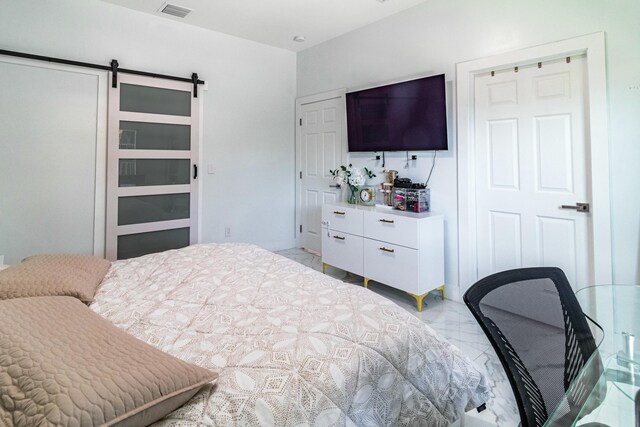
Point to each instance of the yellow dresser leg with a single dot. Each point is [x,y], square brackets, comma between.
[324,267]
[366,282]
[441,289]
[419,299]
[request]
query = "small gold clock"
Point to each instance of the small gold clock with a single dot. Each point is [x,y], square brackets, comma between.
[367,195]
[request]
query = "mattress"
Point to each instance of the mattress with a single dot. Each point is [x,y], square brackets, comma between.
[292,346]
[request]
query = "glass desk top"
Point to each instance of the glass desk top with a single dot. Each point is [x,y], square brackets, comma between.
[616,308]
[615,368]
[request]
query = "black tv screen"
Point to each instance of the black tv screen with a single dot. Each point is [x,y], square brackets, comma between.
[407,116]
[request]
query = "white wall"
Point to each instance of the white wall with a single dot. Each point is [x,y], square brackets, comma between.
[249,107]
[433,37]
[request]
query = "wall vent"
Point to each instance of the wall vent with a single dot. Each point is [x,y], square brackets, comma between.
[173,10]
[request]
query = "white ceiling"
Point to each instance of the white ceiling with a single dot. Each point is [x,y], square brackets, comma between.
[276,22]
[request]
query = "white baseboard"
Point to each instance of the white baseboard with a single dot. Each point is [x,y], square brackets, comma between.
[452,292]
[278,245]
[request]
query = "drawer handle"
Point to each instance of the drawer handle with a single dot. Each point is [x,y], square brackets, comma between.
[338,213]
[386,221]
[387,250]
[338,237]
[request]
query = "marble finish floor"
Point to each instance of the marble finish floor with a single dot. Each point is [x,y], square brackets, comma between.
[453,321]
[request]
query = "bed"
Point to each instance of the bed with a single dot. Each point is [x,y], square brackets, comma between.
[292,346]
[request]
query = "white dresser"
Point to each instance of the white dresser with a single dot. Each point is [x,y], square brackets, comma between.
[404,250]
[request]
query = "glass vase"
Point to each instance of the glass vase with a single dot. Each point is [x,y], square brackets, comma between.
[351,194]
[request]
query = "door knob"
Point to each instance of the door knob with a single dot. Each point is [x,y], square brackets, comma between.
[580,207]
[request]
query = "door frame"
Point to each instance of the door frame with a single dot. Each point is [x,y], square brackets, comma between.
[591,45]
[300,102]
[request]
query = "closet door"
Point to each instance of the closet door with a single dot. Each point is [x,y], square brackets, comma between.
[152,190]
[52,159]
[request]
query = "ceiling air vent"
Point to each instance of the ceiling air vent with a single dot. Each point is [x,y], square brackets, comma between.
[173,10]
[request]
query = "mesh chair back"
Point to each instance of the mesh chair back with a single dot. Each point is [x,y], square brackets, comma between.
[536,326]
[638,409]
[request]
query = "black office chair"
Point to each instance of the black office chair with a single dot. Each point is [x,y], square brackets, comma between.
[638,409]
[538,330]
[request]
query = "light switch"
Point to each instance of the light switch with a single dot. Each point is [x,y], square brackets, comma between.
[210,169]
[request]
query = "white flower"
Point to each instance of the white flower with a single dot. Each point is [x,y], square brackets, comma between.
[351,176]
[356,178]
[342,177]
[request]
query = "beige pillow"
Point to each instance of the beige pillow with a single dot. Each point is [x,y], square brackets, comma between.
[62,364]
[54,275]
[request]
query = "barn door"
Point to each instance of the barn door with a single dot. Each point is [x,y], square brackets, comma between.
[152,170]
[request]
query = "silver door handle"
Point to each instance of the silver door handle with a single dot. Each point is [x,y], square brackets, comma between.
[580,207]
[335,186]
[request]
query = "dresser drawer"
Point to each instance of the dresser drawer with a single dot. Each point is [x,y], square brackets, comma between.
[341,218]
[342,250]
[392,265]
[391,228]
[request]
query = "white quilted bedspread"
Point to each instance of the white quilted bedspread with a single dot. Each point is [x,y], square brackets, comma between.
[293,347]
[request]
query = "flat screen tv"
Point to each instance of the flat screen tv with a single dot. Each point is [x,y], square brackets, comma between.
[407,116]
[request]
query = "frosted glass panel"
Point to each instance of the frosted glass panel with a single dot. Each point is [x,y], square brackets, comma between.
[145,99]
[154,136]
[162,207]
[134,245]
[143,172]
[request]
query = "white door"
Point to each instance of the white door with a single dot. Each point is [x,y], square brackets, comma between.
[152,190]
[321,147]
[52,159]
[531,160]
